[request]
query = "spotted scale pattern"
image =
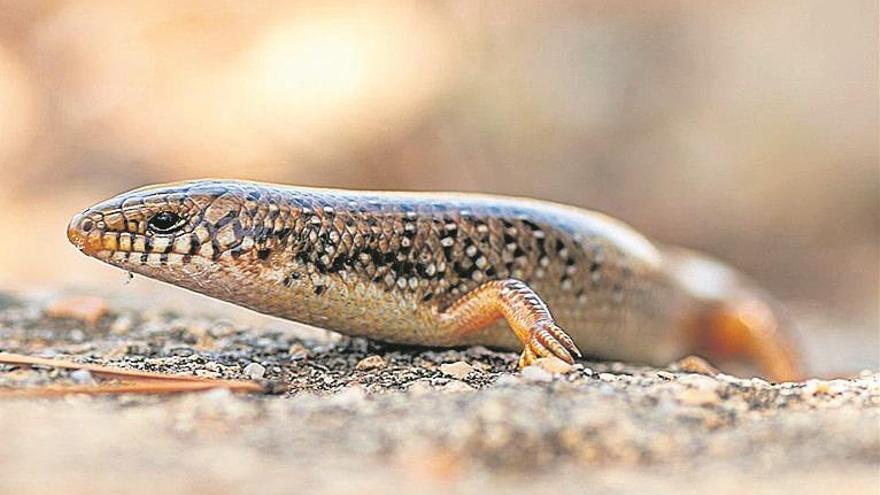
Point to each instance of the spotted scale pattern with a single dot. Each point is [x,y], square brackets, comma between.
[388,265]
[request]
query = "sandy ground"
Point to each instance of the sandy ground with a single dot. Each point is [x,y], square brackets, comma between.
[352,416]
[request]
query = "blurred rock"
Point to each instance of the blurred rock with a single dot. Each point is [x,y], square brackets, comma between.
[88,309]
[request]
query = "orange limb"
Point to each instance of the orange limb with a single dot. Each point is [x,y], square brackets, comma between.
[524,311]
[749,329]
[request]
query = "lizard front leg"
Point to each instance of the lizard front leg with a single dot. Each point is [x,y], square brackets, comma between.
[525,312]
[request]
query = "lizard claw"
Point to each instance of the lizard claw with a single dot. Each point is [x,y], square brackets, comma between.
[546,340]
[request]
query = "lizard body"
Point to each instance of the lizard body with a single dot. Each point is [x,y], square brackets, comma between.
[439,269]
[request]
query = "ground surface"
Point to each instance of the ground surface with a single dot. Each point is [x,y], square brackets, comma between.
[350,416]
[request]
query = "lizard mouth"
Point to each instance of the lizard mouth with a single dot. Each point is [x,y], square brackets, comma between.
[87,235]
[127,250]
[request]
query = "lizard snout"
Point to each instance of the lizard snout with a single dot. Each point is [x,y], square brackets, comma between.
[82,232]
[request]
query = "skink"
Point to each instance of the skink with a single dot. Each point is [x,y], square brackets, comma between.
[441,269]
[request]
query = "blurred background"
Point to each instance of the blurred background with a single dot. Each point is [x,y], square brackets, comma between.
[748,129]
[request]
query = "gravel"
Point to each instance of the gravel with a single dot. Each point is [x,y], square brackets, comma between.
[254,371]
[354,416]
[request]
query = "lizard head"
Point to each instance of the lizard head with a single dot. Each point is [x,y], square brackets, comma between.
[202,235]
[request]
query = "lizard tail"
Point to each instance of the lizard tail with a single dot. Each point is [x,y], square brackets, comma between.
[735,320]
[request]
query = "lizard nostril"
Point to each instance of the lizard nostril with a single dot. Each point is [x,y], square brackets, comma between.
[82,233]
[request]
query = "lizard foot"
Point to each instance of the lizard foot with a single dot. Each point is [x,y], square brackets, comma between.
[523,309]
[546,340]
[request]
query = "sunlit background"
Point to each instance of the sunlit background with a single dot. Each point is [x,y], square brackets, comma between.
[748,129]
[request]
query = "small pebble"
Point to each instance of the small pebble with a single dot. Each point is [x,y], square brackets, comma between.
[297,352]
[607,377]
[554,365]
[816,387]
[255,371]
[535,374]
[371,363]
[696,364]
[82,377]
[458,370]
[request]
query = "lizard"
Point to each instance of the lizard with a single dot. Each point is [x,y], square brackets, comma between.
[443,270]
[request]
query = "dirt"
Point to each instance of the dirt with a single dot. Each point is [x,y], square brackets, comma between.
[353,416]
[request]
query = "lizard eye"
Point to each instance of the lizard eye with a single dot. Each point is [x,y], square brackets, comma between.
[165,222]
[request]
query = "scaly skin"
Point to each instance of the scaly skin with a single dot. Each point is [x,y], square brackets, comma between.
[438,269]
